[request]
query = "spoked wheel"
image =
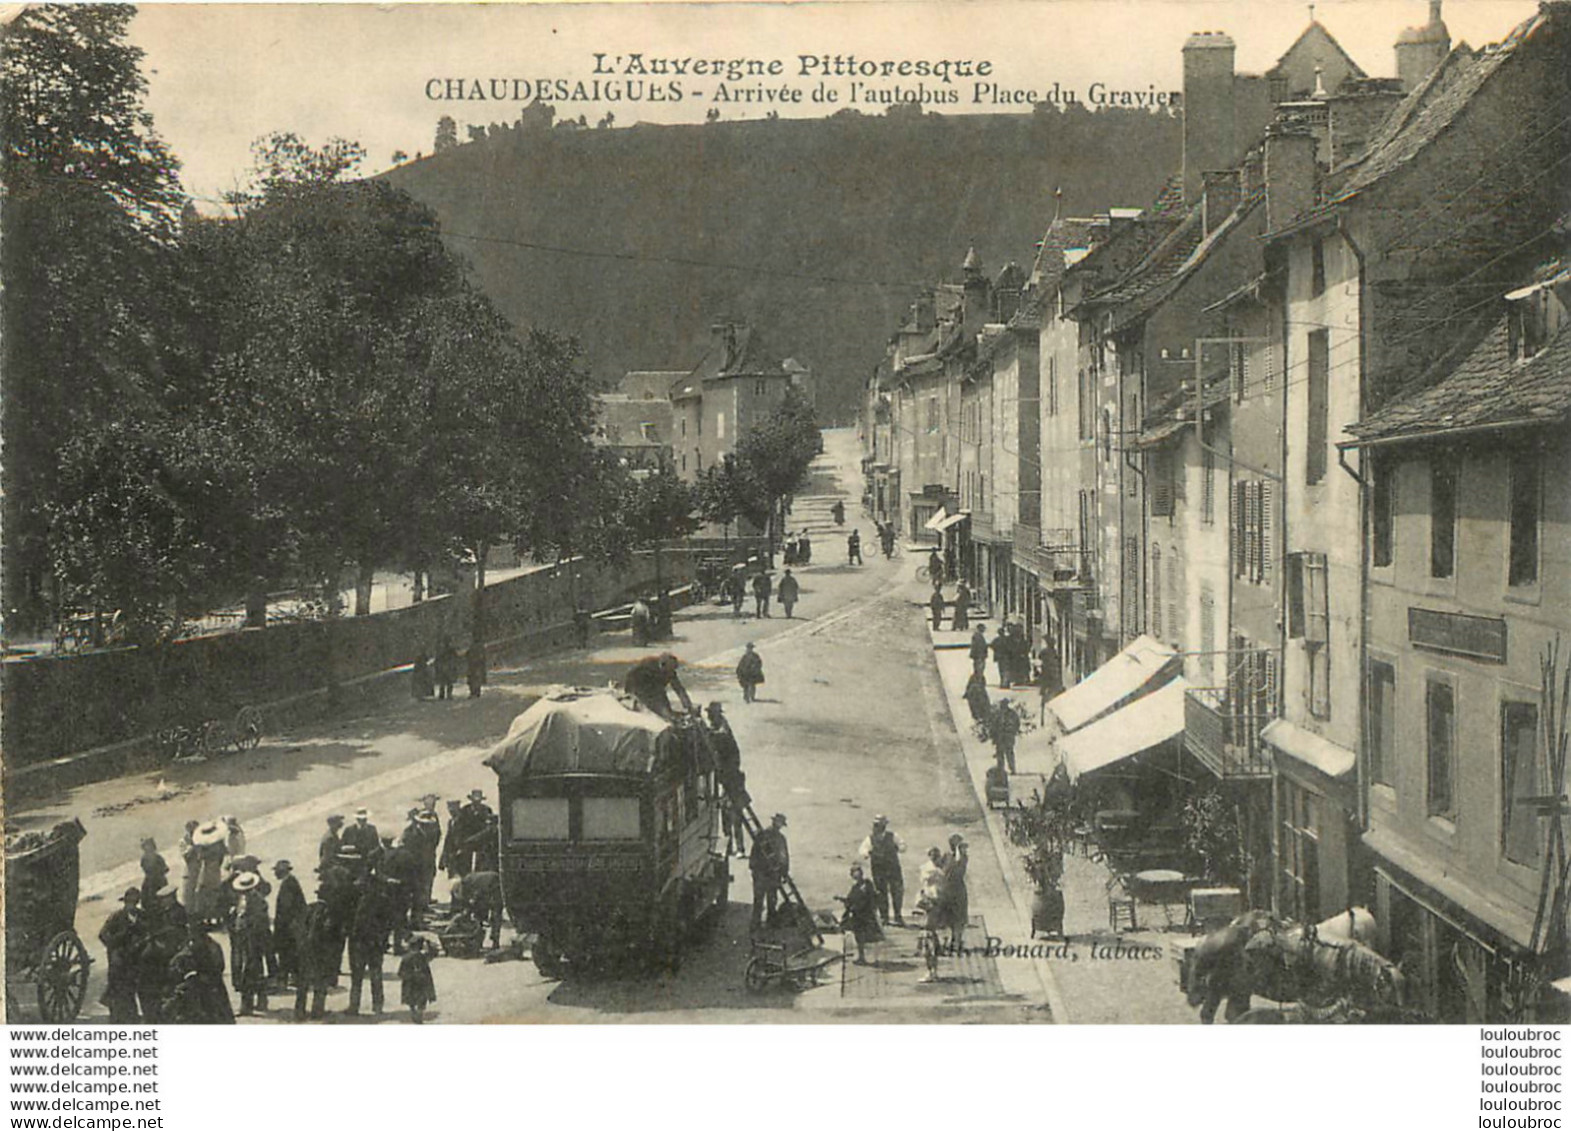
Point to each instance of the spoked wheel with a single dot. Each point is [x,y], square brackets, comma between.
[247,731]
[756,976]
[62,978]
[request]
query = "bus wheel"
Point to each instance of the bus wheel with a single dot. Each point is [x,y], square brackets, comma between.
[548,960]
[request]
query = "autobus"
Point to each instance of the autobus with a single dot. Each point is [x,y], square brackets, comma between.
[611,838]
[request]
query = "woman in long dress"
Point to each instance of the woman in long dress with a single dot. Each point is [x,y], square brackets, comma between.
[861,915]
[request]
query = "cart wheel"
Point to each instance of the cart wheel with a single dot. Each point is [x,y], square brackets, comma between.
[803,980]
[212,739]
[62,978]
[756,977]
[248,729]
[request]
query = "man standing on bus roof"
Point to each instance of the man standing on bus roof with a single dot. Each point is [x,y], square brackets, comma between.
[648,680]
[770,863]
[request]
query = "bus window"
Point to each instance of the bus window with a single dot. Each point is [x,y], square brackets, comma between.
[611,818]
[540,818]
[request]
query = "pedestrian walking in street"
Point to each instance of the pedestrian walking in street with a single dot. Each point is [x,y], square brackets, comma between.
[319,945]
[416,986]
[155,869]
[750,673]
[962,619]
[886,539]
[736,590]
[931,877]
[804,549]
[650,679]
[288,911]
[1003,658]
[882,848]
[770,863]
[123,936]
[935,604]
[854,548]
[421,685]
[935,568]
[191,859]
[234,837]
[453,861]
[446,669]
[762,588]
[207,893]
[363,837]
[861,913]
[1019,654]
[976,697]
[332,840]
[956,898]
[641,621]
[424,836]
[838,512]
[197,973]
[250,942]
[1003,728]
[790,590]
[398,869]
[475,668]
[978,652]
[368,936]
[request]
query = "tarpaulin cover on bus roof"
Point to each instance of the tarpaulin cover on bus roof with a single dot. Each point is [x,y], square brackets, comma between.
[578,730]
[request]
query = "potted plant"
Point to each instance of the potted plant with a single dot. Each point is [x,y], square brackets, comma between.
[1043,828]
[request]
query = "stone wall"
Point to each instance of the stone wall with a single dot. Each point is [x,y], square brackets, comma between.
[61,705]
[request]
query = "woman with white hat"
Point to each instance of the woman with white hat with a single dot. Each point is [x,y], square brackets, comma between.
[250,938]
[208,841]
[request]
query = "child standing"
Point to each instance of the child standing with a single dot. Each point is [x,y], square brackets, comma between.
[417,989]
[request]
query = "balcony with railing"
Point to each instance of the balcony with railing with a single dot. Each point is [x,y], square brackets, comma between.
[1225,739]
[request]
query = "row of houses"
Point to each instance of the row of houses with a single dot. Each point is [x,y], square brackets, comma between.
[1301,422]
[684,421]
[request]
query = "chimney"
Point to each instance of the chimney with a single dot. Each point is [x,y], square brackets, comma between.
[1419,50]
[978,294]
[1357,114]
[724,337]
[1290,173]
[1208,106]
[1219,197]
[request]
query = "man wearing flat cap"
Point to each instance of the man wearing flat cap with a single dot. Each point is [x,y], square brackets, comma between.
[883,847]
[287,914]
[122,935]
[770,863]
[332,840]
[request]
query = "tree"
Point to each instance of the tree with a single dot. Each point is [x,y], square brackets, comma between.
[775,454]
[92,205]
[446,134]
[476,133]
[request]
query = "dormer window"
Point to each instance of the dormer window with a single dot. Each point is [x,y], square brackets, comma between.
[1529,324]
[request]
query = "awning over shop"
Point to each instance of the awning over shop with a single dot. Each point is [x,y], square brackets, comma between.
[1145,661]
[951,520]
[938,516]
[1511,922]
[1136,727]
[1324,755]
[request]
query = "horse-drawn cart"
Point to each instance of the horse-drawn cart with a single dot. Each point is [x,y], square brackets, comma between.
[41,944]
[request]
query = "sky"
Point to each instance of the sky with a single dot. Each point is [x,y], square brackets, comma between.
[220,76]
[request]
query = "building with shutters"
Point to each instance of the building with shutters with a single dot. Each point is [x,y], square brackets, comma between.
[1469,596]
[1398,217]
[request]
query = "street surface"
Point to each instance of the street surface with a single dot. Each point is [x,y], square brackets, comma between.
[851,722]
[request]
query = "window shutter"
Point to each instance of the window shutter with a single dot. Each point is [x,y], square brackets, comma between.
[1235,538]
[1175,622]
[1207,629]
[1270,375]
[1252,530]
[1156,591]
[1316,607]
[1159,466]
[1296,581]
[1266,521]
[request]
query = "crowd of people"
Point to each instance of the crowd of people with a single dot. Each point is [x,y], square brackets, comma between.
[435,677]
[373,896]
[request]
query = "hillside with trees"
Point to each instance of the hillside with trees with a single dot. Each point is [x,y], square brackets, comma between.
[820,231]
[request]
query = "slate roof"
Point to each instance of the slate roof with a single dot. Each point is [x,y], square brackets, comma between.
[1486,389]
[1432,107]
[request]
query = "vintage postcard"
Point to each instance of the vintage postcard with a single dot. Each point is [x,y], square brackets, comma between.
[1006,512]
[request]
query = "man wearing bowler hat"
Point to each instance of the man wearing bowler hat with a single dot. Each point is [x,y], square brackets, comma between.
[363,837]
[122,935]
[287,914]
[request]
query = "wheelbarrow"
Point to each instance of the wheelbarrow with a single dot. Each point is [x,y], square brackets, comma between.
[798,969]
